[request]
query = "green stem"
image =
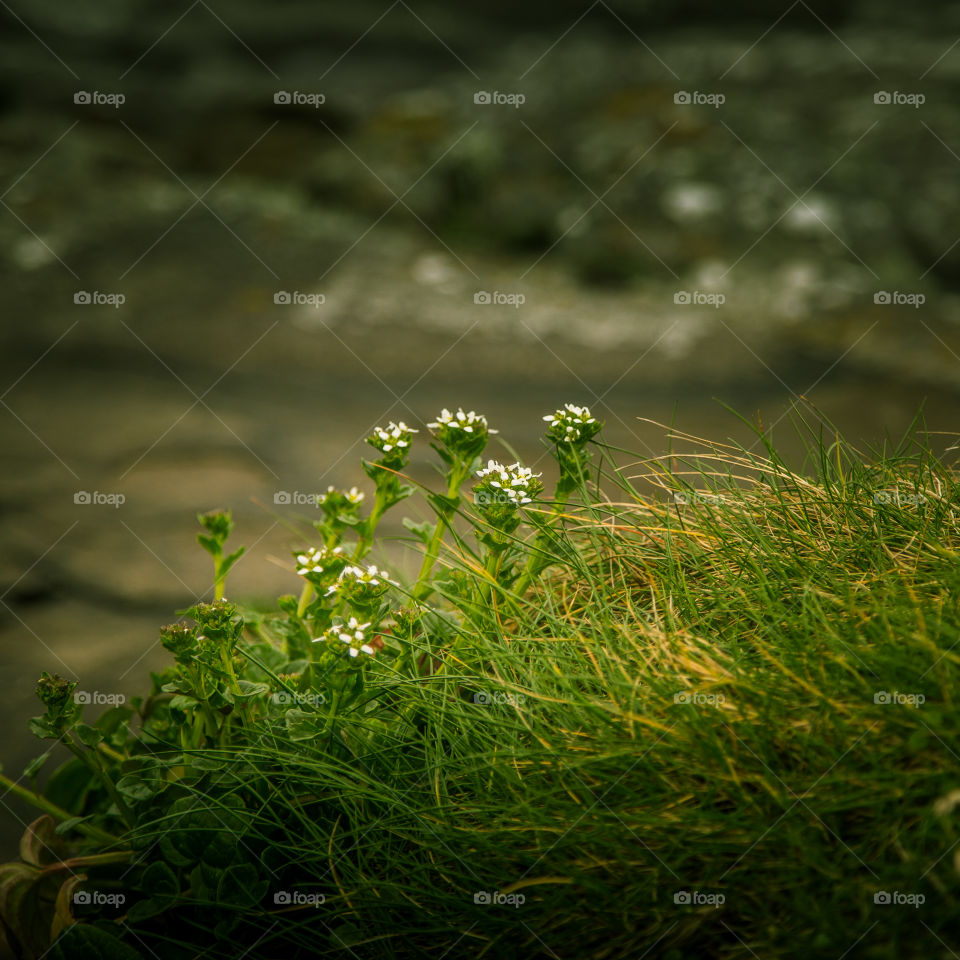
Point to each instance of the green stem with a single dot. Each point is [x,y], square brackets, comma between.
[58,813]
[92,760]
[421,589]
[538,560]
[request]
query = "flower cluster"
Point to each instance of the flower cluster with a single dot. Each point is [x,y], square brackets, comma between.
[460,432]
[352,633]
[314,563]
[572,424]
[515,485]
[361,588]
[335,500]
[393,441]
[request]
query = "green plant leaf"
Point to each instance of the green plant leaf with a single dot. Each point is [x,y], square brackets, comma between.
[33,767]
[83,941]
[70,785]
[228,561]
[40,845]
[241,886]
[209,544]
[422,531]
[87,735]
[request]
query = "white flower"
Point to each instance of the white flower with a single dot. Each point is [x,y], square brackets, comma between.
[514,482]
[371,576]
[571,424]
[313,560]
[460,421]
[352,633]
[393,436]
[355,496]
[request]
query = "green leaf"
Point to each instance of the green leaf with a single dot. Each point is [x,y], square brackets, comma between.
[33,767]
[250,689]
[209,544]
[229,561]
[83,941]
[88,736]
[70,785]
[141,785]
[62,829]
[40,845]
[41,727]
[241,886]
[422,531]
[159,881]
[147,909]
[300,725]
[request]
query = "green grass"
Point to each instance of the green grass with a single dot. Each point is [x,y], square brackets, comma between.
[691,699]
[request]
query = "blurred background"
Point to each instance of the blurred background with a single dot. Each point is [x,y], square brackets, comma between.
[237,236]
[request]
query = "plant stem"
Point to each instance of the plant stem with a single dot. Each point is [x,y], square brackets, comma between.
[421,588]
[58,813]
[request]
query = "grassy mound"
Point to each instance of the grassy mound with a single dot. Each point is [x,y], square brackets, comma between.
[717,721]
